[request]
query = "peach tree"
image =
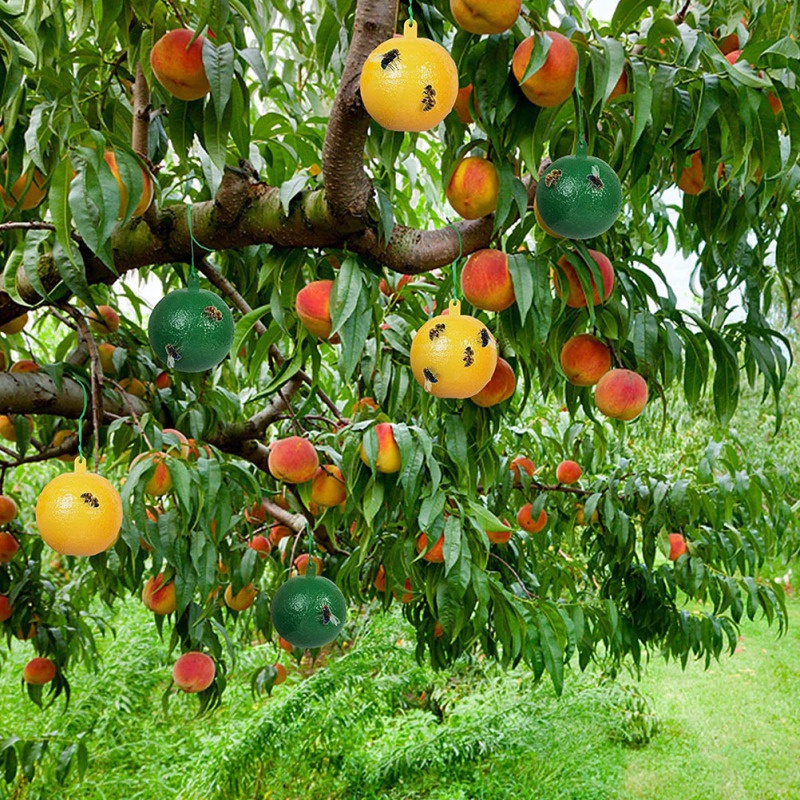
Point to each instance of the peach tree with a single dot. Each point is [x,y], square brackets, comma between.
[238,129]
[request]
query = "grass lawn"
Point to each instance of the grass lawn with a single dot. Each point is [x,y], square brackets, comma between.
[730,732]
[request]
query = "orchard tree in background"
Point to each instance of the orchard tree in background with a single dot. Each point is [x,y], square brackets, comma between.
[231,140]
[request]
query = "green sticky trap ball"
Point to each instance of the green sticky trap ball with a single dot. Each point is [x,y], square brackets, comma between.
[191,330]
[308,611]
[579,197]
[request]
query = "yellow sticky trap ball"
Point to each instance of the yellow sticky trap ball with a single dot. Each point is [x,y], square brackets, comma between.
[79,513]
[453,355]
[409,84]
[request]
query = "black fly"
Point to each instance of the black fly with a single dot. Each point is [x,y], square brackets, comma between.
[90,500]
[327,617]
[595,181]
[389,58]
[469,356]
[434,332]
[172,355]
[428,98]
[484,337]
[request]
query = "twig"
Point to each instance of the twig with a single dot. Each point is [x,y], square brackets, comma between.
[33,225]
[176,11]
[126,399]
[514,573]
[229,290]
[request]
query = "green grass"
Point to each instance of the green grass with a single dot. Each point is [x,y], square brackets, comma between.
[375,725]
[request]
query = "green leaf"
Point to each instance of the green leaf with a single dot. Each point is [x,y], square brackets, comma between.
[642,100]
[292,188]
[627,13]
[218,64]
[520,267]
[541,47]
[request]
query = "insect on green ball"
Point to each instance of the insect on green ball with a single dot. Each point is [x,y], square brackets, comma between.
[191,330]
[579,197]
[308,611]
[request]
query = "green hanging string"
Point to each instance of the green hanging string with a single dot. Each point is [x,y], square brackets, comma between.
[193,271]
[458,258]
[80,423]
[411,11]
[581,148]
[310,563]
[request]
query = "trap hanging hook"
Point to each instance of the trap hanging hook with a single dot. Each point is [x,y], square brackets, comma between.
[457,259]
[80,423]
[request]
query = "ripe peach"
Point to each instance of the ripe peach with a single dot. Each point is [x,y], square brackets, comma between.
[731,42]
[408,594]
[575,294]
[193,672]
[380,580]
[26,365]
[26,190]
[435,555]
[313,306]
[261,544]
[160,482]
[585,359]
[281,676]
[568,472]
[300,565]
[462,105]
[521,462]
[15,325]
[39,671]
[292,460]
[105,352]
[474,188]
[163,380]
[178,66]
[277,532]
[284,645]
[8,509]
[580,516]
[620,87]
[395,293]
[159,597]
[526,521]
[501,386]
[104,320]
[677,546]
[621,394]
[134,387]
[6,609]
[554,81]
[388,459]
[485,16]
[500,537]
[8,547]
[58,439]
[7,429]
[145,199]
[691,179]
[327,486]
[243,599]
[175,442]
[438,630]
[486,282]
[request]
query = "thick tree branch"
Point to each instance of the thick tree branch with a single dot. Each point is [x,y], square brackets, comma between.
[37,393]
[348,190]
[412,251]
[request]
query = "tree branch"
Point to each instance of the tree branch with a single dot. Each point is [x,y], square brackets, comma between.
[37,393]
[348,189]
[412,251]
